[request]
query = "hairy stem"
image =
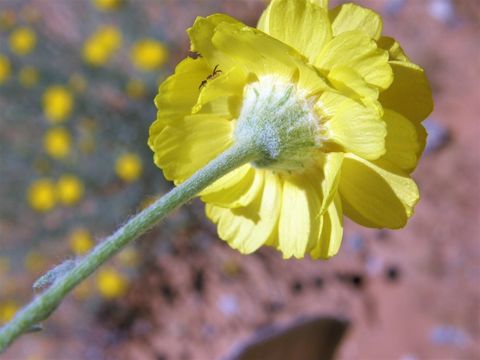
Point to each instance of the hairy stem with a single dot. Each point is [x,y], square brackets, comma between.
[43,305]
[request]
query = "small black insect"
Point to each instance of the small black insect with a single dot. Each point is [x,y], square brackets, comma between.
[194,55]
[213,75]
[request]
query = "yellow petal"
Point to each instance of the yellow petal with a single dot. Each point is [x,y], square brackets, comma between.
[350,17]
[410,93]
[331,235]
[350,83]
[322,3]
[228,181]
[403,142]
[224,85]
[201,34]
[376,194]
[248,228]
[183,147]
[357,50]
[300,24]
[394,49]
[254,50]
[352,127]
[327,177]
[299,223]
[238,189]
[178,94]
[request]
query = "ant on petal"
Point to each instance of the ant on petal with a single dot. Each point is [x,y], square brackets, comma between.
[213,75]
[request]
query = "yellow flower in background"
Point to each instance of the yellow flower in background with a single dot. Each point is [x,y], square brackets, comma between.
[148,54]
[22,41]
[81,241]
[28,76]
[5,69]
[41,195]
[57,103]
[8,311]
[107,5]
[136,89]
[70,190]
[111,283]
[334,106]
[57,142]
[128,167]
[101,45]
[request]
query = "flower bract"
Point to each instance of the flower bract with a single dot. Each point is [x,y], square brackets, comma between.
[335,106]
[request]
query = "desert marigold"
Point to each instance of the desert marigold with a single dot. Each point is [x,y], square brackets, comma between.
[57,142]
[81,241]
[5,69]
[70,189]
[148,54]
[41,195]
[107,5]
[111,283]
[335,107]
[22,41]
[8,311]
[57,103]
[128,167]
[101,45]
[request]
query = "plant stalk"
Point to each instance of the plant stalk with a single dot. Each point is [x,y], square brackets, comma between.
[44,304]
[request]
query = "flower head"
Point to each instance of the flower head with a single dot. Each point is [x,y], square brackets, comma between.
[107,5]
[56,142]
[70,189]
[80,241]
[22,41]
[334,107]
[101,45]
[128,167]
[148,54]
[110,283]
[8,311]
[57,103]
[5,69]
[41,195]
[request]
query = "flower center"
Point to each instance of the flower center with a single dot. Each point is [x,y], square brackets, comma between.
[278,117]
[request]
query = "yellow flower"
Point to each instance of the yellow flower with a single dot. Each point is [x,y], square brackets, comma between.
[57,103]
[128,167]
[5,69]
[81,241]
[110,283]
[22,41]
[107,5]
[8,311]
[28,76]
[56,143]
[101,45]
[69,190]
[334,106]
[41,195]
[148,54]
